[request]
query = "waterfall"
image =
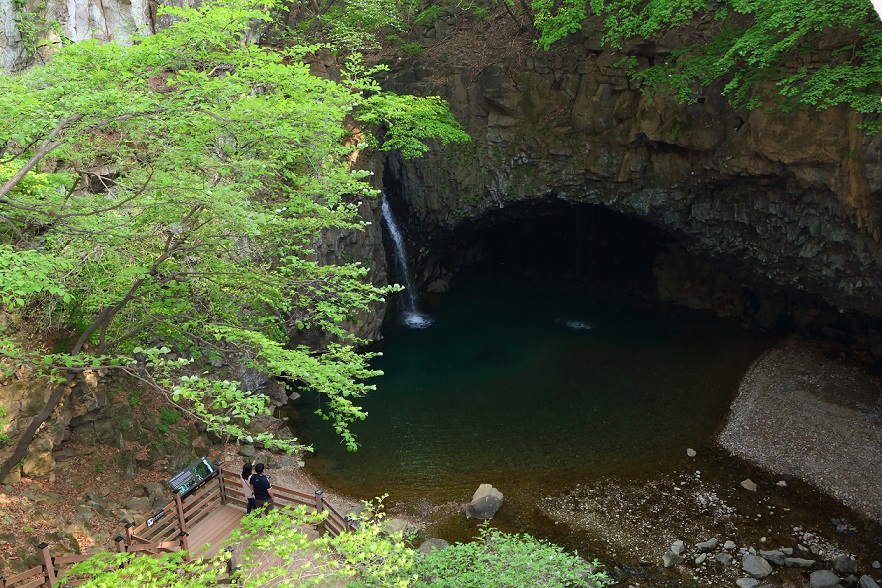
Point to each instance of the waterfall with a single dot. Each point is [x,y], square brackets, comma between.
[412,316]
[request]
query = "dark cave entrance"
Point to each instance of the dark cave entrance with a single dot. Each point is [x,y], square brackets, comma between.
[599,251]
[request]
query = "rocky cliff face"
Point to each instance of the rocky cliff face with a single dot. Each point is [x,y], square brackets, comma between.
[77,20]
[785,201]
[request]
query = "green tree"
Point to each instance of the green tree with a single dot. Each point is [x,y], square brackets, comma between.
[743,44]
[163,200]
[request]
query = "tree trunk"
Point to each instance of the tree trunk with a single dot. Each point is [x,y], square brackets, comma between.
[21,448]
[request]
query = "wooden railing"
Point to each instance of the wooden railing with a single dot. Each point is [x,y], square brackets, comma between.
[334,524]
[168,529]
[50,569]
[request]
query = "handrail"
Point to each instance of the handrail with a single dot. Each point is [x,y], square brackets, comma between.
[197,496]
[335,523]
[169,533]
[25,575]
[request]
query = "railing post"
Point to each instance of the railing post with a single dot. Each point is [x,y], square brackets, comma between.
[347,523]
[119,542]
[48,564]
[180,505]
[185,544]
[232,563]
[2,582]
[129,534]
[319,508]
[220,481]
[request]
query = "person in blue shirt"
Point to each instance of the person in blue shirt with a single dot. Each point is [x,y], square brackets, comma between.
[263,490]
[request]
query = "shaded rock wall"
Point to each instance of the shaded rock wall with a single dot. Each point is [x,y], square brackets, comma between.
[782,200]
[23,396]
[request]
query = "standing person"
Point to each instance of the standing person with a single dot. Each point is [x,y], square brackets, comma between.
[247,490]
[263,490]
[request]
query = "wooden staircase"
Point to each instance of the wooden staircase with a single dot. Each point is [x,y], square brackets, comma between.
[206,516]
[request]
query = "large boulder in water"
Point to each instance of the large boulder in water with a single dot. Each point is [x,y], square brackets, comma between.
[485,502]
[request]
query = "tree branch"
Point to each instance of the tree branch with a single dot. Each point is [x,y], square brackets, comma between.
[50,143]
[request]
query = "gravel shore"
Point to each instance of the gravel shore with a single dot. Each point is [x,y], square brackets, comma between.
[801,414]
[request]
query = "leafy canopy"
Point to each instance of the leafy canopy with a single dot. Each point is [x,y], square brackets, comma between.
[163,203]
[816,53]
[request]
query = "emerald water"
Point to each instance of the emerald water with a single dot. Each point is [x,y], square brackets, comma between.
[532,387]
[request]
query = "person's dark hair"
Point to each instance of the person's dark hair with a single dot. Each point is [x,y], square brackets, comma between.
[246,471]
[258,469]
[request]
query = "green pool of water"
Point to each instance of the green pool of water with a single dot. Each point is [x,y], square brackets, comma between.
[532,388]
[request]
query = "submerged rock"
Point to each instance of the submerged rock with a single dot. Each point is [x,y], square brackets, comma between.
[392,526]
[432,544]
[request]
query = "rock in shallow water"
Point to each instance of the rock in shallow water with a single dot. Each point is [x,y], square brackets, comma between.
[746,583]
[678,547]
[824,579]
[797,562]
[708,545]
[844,564]
[867,582]
[756,566]
[773,557]
[485,502]
[432,544]
[723,558]
[671,559]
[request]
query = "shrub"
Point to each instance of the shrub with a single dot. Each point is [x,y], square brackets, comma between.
[501,560]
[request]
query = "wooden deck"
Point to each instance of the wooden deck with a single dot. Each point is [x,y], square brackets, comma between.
[199,523]
[214,530]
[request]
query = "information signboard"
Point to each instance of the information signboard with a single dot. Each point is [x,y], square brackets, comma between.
[152,520]
[196,473]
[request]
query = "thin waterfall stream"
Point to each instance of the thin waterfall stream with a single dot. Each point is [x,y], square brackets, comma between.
[411,315]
